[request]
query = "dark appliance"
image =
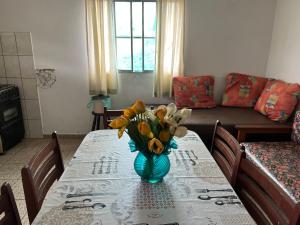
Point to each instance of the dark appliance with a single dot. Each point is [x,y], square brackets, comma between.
[11,119]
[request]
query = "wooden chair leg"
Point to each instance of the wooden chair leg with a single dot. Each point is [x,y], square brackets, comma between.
[94,122]
[98,122]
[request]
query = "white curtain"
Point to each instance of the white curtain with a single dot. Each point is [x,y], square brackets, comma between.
[169,45]
[101,47]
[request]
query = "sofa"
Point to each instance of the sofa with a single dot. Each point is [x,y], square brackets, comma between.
[248,102]
[202,121]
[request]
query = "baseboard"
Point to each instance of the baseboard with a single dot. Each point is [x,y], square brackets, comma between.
[66,136]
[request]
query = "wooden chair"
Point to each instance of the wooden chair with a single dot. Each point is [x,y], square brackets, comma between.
[227,152]
[8,207]
[39,174]
[109,115]
[266,202]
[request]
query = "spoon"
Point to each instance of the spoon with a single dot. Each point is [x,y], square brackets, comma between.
[207,197]
[220,202]
[213,190]
[85,194]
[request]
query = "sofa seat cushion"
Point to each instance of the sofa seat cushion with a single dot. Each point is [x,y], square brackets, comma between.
[280,160]
[202,121]
[296,128]
[242,90]
[228,116]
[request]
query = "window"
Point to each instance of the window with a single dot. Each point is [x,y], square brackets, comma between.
[135,25]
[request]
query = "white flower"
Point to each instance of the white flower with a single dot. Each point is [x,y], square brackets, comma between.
[180,131]
[150,114]
[174,118]
[184,114]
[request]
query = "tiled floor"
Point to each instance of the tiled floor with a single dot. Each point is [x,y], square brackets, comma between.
[14,159]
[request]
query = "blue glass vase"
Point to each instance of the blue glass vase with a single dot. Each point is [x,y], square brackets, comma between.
[151,167]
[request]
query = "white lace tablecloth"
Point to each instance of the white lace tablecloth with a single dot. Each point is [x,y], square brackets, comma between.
[100,187]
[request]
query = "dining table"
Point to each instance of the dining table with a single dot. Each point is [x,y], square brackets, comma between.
[100,187]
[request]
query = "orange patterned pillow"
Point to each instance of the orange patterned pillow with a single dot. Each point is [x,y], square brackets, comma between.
[242,90]
[194,91]
[278,100]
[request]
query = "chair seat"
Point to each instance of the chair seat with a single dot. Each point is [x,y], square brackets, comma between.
[281,161]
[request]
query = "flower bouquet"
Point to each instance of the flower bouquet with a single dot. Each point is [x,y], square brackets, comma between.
[151,133]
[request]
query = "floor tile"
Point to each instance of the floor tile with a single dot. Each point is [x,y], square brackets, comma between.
[13,160]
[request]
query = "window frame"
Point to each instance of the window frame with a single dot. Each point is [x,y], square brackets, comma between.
[131,37]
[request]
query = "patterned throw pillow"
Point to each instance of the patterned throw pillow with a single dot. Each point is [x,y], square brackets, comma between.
[278,100]
[242,90]
[194,91]
[296,128]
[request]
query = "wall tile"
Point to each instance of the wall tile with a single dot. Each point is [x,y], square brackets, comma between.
[33,109]
[24,43]
[2,68]
[30,89]
[18,83]
[24,111]
[35,128]
[3,80]
[17,67]
[12,66]
[9,46]
[27,66]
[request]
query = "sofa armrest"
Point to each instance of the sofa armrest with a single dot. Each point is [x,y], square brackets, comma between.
[243,130]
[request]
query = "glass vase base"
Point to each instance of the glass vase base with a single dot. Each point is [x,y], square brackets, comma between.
[152,181]
[151,168]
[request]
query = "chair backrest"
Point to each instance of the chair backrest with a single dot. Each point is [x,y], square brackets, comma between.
[39,174]
[109,115]
[9,214]
[266,202]
[227,152]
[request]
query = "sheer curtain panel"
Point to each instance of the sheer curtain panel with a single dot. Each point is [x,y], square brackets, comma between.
[169,45]
[101,47]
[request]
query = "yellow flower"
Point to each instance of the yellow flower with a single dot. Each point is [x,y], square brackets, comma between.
[160,113]
[121,131]
[164,135]
[128,113]
[119,122]
[145,129]
[138,107]
[155,146]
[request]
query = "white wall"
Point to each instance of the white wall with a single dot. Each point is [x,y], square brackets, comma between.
[221,36]
[58,37]
[285,49]
[228,36]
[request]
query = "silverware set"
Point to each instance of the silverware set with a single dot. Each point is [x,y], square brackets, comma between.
[222,200]
[98,167]
[191,156]
[81,204]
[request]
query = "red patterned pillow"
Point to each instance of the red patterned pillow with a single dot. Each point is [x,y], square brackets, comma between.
[194,91]
[242,90]
[296,128]
[278,100]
